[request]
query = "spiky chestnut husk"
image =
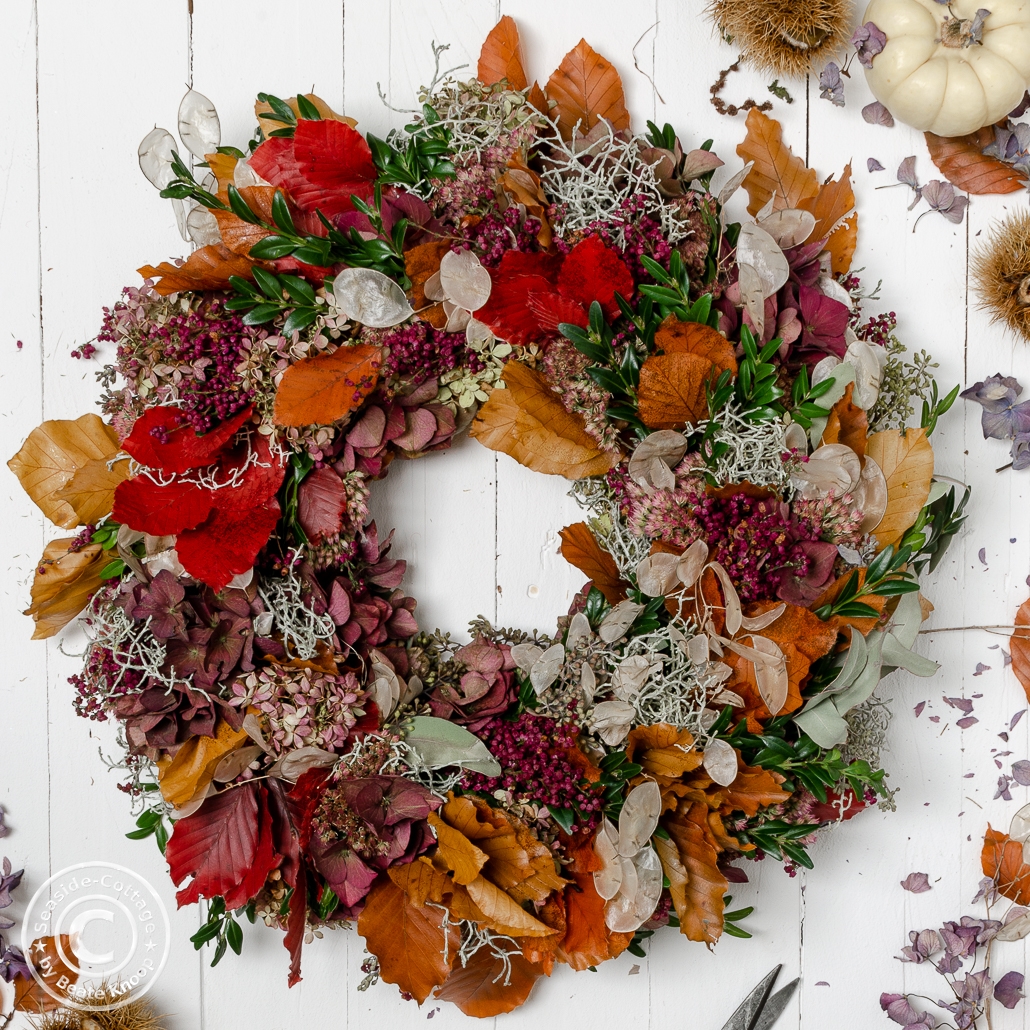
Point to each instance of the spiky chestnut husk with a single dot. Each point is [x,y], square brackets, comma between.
[1001,273]
[136,1015]
[787,37]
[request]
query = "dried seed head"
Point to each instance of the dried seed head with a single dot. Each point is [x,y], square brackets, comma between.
[1001,273]
[784,36]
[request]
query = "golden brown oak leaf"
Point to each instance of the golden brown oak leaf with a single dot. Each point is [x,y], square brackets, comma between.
[51,457]
[698,901]
[486,986]
[271,124]
[408,940]
[527,422]
[208,268]
[459,854]
[90,491]
[676,337]
[579,547]
[29,995]
[847,424]
[63,584]
[907,464]
[322,389]
[1002,860]
[963,163]
[671,393]
[239,236]
[501,56]
[776,169]
[1019,645]
[192,769]
[586,87]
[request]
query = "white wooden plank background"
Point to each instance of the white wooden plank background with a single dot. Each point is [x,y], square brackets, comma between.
[82,83]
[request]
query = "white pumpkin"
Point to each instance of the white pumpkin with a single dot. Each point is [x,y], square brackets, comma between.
[932,75]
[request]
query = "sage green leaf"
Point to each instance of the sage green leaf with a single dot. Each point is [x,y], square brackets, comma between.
[439,743]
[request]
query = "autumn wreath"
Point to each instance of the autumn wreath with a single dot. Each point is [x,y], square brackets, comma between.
[753,458]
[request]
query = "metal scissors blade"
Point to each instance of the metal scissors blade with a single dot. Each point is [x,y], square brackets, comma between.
[776,1004]
[747,1015]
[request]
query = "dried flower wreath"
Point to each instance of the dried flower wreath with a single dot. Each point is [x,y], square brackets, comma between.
[520,264]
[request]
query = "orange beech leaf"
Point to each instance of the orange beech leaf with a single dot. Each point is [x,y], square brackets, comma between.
[753,789]
[698,900]
[208,268]
[271,124]
[501,913]
[907,464]
[579,547]
[90,491]
[322,389]
[586,87]
[523,185]
[963,163]
[486,986]
[527,422]
[676,337]
[29,995]
[420,263]
[831,205]
[1002,861]
[830,594]
[543,951]
[538,99]
[841,245]
[664,751]
[501,56]
[588,941]
[776,169]
[192,769]
[63,584]
[672,390]
[239,236]
[1019,645]
[223,168]
[847,424]
[459,854]
[53,454]
[408,941]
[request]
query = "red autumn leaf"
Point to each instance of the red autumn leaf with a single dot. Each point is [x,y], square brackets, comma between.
[587,87]
[501,56]
[321,502]
[320,166]
[208,268]
[518,276]
[1019,644]
[143,505]
[161,439]
[485,986]
[322,389]
[963,163]
[226,846]
[551,309]
[579,547]
[227,544]
[263,475]
[591,271]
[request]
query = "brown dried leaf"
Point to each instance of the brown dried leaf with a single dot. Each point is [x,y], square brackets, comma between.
[29,995]
[847,424]
[586,87]
[699,903]
[671,393]
[223,168]
[408,940]
[239,236]
[676,337]
[51,457]
[502,913]
[527,422]
[192,769]
[579,547]
[91,490]
[907,465]
[208,268]
[63,585]
[485,986]
[1019,644]
[501,56]
[841,245]
[1002,860]
[963,163]
[420,264]
[665,752]
[753,789]
[459,854]
[776,169]
[271,124]
[832,205]
[322,389]
[588,940]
